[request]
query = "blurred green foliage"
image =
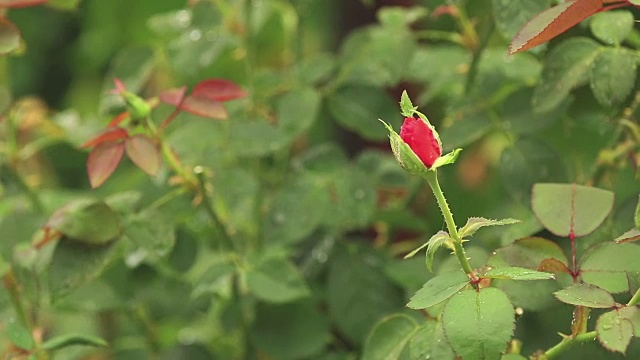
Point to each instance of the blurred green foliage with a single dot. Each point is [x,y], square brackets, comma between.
[299,178]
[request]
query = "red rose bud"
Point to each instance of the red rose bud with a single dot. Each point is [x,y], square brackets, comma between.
[422,139]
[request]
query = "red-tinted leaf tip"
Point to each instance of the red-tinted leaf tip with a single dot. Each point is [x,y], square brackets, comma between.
[421,139]
[173,96]
[118,119]
[218,90]
[103,161]
[10,38]
[109,136]
[119,87]
[144,153]
[20,3]
[197,105]
[553,22]
[445,10]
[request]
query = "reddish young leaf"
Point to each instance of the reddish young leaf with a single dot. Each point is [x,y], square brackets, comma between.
[218,90]
[102,162]
[20,3]
[204,107]
[118,119]
[108,136]
[553,266]
[553,22]
[10,39]
[144,153]
[173,96]
[196,105]
[119,87]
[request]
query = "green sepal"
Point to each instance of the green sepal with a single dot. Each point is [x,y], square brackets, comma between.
[406,107]
[447,159]
[138,107]
[403,153]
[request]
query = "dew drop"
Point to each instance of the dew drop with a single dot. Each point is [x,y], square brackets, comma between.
[195,35]
[183,18]
[279,218]
[211,35]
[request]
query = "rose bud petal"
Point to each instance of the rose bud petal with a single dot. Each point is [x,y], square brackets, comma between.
[422,139]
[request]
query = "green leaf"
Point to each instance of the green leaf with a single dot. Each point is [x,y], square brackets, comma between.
[276,280]
[528,162]
[406,107]
[317,68]
[479,323]
[302,330]
[350,199]
[389,337]
[358,292]
[74,264]
[613,75]
[396,16]
[566,209]
[358,107]
[436,241]
[631,313]
[297,111]
[376,56]
[511,15]
[438,289]
[513,357]
[516,273]
[153,234]
[296,210]
[582,294]
[237,197]
[64,4]
[4,267]
[433,245]
[614,332]
[465,131]
[475,223]
[606,265]
[611,257]
[214,279]
[636,218]
[18,334]
[612,27]
[87,221]
[10,39]
[439,67]
[566,67]
[430,342]
[63,341]
[629,236]
[519,117]
[530,253]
